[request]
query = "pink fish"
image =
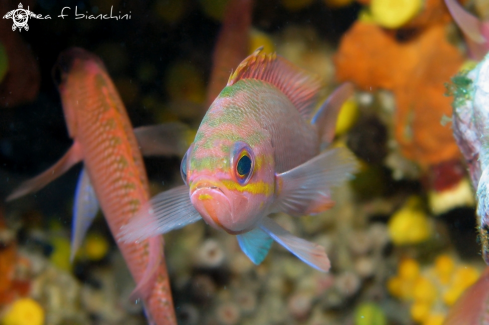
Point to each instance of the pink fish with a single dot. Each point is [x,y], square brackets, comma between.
[475,31]
[472,307]
[257,152]
[113,176]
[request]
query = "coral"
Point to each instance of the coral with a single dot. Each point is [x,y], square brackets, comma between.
[228,314]
[348,116]
[60,256]
[394,13]
[369,314]
[409,225]
[299,304]
[414,67]
[210,254]
[458,195]
[257,39]
[348,283]
[95,247]
[428,288]
[25,311]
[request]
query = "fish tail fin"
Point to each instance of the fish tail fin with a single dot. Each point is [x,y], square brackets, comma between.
[327,115]
[306,189]
[147,281]
[73,156]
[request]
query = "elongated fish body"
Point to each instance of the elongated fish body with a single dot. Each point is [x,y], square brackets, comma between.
[257,152]
[113,169]
[471,131]
[472,308]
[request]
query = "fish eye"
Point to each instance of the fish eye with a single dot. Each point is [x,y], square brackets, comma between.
[183,168]
[243,168]
[243,162]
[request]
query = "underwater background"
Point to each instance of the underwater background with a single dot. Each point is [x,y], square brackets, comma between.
[402,237]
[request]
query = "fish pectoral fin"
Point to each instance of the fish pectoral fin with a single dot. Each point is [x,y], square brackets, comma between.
[146,284]
[72,157]
[310,253]
[306,188]
[84,211]
[468,23]
[255,244]
[327,115]
[166,211]
[169,139]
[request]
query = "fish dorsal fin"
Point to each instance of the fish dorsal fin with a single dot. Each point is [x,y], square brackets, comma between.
[298,85]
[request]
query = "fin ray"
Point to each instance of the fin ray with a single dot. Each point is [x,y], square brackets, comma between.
[70,158]
[298,85]
[255,244]
[468,23]
[306,188]
[165,212]
[163,139]
[310,253]
[327,115]
[84,211]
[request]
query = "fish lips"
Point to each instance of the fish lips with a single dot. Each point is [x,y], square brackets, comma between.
[215,207]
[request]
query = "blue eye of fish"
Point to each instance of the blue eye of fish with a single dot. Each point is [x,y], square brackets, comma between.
[244,166]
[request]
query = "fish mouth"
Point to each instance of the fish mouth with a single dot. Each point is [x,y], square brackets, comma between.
[213,204]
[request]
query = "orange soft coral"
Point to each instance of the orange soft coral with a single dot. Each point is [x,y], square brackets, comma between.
[415,69]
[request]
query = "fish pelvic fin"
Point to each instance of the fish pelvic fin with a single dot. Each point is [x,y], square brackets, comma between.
[310,253]
[84,211]
[255,244]
[165,212]
[72,157]
[306,189]
[327,115]
[300,87]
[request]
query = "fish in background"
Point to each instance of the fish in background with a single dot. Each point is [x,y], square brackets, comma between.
[476,32]
[257,152]
[471,307]
[231,46]
[114,176]
[470,120]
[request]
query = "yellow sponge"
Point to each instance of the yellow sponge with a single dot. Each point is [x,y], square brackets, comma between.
[394,13]
[24,311]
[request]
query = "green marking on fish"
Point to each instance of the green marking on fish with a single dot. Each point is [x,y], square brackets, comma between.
[229,91]
[209,163]
[122,163]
